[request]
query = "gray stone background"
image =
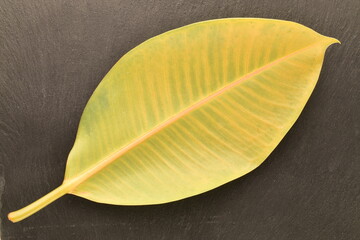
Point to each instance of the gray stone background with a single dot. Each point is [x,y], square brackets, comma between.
[53,53]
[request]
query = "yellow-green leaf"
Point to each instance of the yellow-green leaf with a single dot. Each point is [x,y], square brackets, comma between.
[190,110]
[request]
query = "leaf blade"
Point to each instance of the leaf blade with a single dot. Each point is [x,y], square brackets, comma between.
[170,153]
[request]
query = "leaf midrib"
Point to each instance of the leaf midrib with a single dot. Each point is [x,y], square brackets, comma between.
[86,174]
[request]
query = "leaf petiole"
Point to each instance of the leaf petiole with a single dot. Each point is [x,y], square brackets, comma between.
[32,208]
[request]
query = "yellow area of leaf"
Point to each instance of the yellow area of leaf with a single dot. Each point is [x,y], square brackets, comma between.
[190,110]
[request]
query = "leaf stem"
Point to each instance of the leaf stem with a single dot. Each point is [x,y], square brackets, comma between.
[27,211]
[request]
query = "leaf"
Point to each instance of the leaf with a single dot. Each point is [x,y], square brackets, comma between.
[190,110]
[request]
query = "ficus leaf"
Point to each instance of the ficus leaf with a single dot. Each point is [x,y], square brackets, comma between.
[190,110]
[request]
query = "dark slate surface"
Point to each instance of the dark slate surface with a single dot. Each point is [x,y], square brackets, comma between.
[53,53]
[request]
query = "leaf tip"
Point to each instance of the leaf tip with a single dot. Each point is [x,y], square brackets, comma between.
[332,40]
